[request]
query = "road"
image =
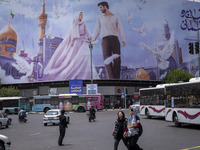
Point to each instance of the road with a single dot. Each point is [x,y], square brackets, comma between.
[82,135]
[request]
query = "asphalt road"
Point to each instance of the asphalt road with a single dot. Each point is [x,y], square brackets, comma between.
[82,135]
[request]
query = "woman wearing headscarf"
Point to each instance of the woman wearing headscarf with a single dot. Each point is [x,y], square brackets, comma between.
[120,127]
[132,131]
[71,60]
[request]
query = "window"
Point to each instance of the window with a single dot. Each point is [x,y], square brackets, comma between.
[82,100]
[10,103]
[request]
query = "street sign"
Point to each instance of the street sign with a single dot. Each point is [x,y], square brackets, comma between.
[92,88]
[76,87]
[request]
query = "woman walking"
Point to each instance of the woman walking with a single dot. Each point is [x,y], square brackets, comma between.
[132,132]
[120,126]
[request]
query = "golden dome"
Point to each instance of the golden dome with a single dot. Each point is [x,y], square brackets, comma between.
[141,74]
[8,33]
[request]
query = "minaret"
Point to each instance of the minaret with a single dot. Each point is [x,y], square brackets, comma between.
[42,21]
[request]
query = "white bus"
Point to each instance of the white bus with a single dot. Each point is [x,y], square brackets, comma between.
[13,104]
[183,102]
[152,101]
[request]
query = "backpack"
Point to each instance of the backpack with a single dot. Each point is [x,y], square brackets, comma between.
[140,127]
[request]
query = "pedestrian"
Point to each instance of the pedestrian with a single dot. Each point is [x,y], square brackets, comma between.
[110,27]
[68,106]
[62,126]
[132,132]
[120,127]
[88,105]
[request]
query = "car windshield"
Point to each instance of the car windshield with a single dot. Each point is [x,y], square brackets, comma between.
[51,113]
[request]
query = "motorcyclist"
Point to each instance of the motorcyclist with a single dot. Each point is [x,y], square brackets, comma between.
[22,115]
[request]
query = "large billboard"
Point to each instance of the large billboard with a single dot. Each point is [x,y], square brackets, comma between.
[55,40]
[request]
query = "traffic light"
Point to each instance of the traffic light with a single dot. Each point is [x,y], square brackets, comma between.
[191,48]
[197,47]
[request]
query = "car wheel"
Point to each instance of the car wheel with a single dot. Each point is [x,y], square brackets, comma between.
[9,122]
[2,146]
[45,124]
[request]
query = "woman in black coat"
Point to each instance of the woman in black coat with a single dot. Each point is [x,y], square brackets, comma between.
[120,127]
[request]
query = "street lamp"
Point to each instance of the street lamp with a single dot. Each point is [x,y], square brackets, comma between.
[91,47]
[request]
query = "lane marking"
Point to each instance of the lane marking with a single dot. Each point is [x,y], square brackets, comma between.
[38,133]
[191,148]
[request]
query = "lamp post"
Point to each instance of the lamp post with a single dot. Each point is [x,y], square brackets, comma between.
[91,47]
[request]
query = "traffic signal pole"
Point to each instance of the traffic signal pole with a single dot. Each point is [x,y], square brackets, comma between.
[125,97]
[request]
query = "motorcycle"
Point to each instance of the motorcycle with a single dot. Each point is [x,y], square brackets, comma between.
[22,119]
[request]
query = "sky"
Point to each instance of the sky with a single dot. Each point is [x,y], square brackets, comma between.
[152,13]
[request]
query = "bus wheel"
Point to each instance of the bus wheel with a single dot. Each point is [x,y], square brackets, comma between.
[7,111]
[81,109]
[175,119]
[46,109]
[148,114]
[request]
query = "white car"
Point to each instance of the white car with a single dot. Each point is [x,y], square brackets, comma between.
[4,142]
[52,117]
[137,106]
[3,121]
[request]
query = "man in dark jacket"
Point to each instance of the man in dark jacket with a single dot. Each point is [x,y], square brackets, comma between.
[92,111]
[120,127]
[62,126]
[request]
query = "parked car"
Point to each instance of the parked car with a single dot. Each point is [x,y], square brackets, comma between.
[3,121]
[4,142]
[6,116]
[52,117]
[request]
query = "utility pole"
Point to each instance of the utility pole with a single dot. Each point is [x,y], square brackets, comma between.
[125,96]
[91,47]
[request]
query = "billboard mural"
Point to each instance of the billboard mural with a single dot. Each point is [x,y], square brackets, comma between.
[133,39]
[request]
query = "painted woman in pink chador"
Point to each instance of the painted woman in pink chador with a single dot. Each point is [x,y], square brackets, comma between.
[71,59]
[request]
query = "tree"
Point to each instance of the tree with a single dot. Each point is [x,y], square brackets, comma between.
[9,92]
[177,75]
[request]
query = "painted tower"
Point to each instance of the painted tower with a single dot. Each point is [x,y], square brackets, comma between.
[42,21]
[8,41]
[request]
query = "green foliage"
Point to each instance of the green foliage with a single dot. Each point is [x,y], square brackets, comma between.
[174,76]
[9,91]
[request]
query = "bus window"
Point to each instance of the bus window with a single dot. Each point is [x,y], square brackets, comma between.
[82,100]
